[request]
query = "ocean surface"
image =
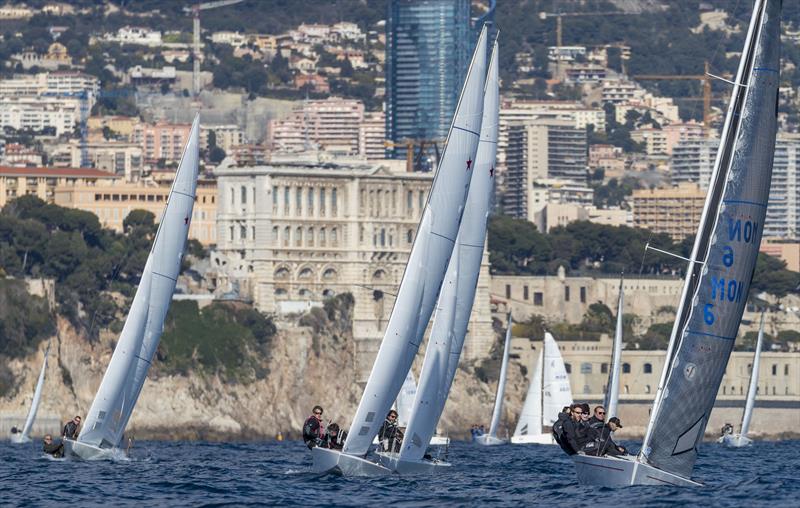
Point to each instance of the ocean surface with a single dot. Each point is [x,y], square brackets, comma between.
[252,474]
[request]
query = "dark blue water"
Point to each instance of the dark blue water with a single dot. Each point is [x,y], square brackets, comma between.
[214,474]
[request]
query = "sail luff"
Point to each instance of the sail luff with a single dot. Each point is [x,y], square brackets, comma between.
[37,397]
[725,254]
[457,295]
[427,262]
[612,387]
[501,383]
[753,389]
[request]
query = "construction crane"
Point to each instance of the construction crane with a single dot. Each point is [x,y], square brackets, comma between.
[705,78]
[414,158]
[196,57]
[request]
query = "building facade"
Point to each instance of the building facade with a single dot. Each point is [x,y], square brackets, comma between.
[675,211]
[42,182]
[331,125]
[428,46]
[161,141]
[60,114]
[290,235]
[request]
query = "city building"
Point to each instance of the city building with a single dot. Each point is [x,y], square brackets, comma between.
[227,136]
[675,211]
[290,235]
[56,57]
[136,35]
[372,136]
[59,114]
[693,160]
[113,200]
[57,83]
[332,125]
[119,158]
[788,252]
[161,141]
[428,47]
[42,182]
[537,150]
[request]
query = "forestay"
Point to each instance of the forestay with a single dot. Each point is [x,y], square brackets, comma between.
[724,254]
[530,420]
[612,387]
[458,290]
[556,389]
[127,370]
[753,389]
[427,261]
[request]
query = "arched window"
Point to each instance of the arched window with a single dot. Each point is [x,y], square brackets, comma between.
[327,293]
[322,239]
[774,369]
[298,239]
[383,237]
[647,389]
[304,292]
[604,369]
[334,237]
[329,274]
[305,273]
[626,368]
[280,292]
[276,235]
[310,236]
[379,275]
[282,273]
[286,234]
[568,368]
[647,368]
[626,389]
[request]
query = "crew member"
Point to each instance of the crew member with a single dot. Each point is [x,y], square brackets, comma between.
[607,445]
[313,430]
[390,435]
[51,448]
[334,437]
[71,428]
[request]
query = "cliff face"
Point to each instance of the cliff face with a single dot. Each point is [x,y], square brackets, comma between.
[308,365]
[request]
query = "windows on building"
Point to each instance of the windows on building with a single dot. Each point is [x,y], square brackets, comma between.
[538,298]
[508,290]
[583,295]
[604,368]
[586,368]
[626,368]
[568,368]
[525,292]
[566,293]
[647,368]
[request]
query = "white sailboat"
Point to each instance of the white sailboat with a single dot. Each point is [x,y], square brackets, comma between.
[490,438]
[119,390]
[548,393]
[612,388]
[455,299]
[24,436]
[718,276]
[739,440]
[421,282]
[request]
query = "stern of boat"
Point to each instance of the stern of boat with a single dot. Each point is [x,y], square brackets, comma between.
[623,472]
[335,462]
[423,466]
[487,440]
[86,451]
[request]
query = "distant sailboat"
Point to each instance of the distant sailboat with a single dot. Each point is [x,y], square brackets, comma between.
[119,390]
[490,438]
[612,387]
[421,282]
[741,439]
[548,393]
[718,276]
[24,436]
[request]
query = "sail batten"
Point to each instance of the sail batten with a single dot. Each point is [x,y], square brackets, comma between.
[723,257]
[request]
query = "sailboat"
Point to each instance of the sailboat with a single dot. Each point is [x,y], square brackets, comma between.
[119,390]
[548,393]
[421,282]
[718,276]
[612,387]
[24,436]
[455,300]
[739,440]
[490,438]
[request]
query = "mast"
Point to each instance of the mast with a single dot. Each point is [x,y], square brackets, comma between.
[723,257]
[501,383]
[753,389]
[427,261]
[612,390]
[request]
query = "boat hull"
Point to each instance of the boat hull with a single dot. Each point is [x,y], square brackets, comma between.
[440,441]
[423,466]
[735,441]
[489,440]
[623,472]
[543,439]
[19,439]
[90,452]
[326,461]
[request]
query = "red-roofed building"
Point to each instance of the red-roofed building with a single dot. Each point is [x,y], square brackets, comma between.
[41,182]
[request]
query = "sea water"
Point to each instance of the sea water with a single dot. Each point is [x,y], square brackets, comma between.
[214,474]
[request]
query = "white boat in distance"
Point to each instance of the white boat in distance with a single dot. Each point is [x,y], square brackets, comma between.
[548,393]
[24,436]
[490,438]
[119,390]
[740,440]
[718,275]
[421,281]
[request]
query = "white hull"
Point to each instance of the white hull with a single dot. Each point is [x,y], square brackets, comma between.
[18,438]
[489,440]
[544,439]
[335,462]
[422,466]
[440,441]
[623,471]
[735,440]
[90,452]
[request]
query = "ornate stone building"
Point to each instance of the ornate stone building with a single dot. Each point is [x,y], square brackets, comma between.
[291,234]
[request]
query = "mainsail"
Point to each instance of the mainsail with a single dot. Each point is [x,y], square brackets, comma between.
[458,290]
[753,389]
[556,392]
[37,398]
[124,378]
[405,400]
[427,261]
[724,254]
[530,419]
[612,387]
[501,383]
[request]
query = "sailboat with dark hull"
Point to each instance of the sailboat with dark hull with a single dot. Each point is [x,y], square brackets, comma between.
[718,276]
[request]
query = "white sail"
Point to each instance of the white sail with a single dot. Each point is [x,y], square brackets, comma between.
[530,420]
[37,398]
[612,388]
[458,290]
[751,392]
[405,400]
[556,389]
[501,383]
[427,261]
[123,380]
